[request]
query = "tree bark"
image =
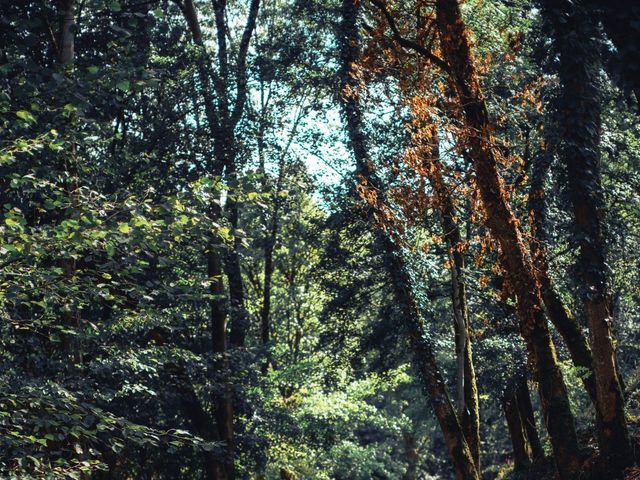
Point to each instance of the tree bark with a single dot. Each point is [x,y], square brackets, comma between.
[218,468]
[517,431]
[223,117]
[237,309]
[223,404]
[222,120]
[576,41]
[66,34]
[411,455]
[459,452]
[461,458]
[65,54]
[566,324]
[620,19]
[528,419]
[504,226]
[270,243]
[468,402]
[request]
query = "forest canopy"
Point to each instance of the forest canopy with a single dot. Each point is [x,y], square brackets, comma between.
[319,239]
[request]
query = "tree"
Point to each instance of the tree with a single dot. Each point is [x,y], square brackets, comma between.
[576,43]
[372,191]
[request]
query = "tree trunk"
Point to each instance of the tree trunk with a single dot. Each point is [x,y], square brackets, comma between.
[223,404]
[468,402]
[239,316]
[269,243]
[219,468]
[66,34]
[199,418]
[528,419]
[459,452]
[462,460]
[576,40]
[65,56]
[517,431]
[222,121]
[620,19]
[566,324]
[265,310]
[504,227]
[411,455]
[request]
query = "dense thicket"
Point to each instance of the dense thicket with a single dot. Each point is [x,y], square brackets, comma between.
[327,239]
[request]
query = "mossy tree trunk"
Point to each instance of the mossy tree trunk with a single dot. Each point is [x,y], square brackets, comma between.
[504,227]
[517,431]
[468,401]
[424,357]
[561,317]
[526,413]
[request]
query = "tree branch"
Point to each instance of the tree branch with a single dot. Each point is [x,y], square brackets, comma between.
[241,64]
[407,43]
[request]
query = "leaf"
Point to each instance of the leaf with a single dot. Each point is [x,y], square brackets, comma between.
[208,446]
[26,116]
[12,224]
[123,85]
[124,228]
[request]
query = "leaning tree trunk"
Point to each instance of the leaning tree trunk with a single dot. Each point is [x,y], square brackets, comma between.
[504,227]
[425,361]
[566,324]
[576,40]
[468,402]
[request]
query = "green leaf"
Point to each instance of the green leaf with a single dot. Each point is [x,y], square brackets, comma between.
[26,116]
[123,85]
[68,110]
[12,224]
[124,228]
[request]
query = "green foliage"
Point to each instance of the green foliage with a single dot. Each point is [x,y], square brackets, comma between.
[110,196]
